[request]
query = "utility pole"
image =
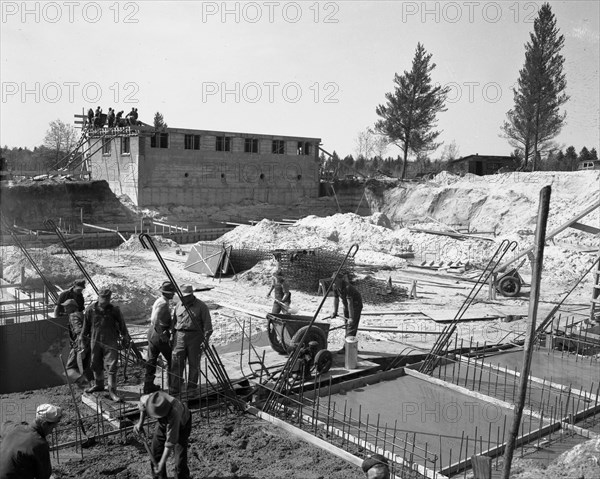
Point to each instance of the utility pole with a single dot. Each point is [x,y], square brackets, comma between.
[536,276]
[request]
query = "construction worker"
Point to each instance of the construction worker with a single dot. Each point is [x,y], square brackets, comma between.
[282,293]
[24,451]
[190,334]
[103,325]
[171,433]
[376,467]
[74,292]
[159,335]
[111,118]
[75,326]
[352,303]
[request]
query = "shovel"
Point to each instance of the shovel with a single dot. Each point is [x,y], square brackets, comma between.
[89,441]
[153,464]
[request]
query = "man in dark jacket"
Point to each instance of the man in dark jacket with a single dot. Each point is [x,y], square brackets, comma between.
[190,333]
[103,325]
[24,451]
[75,326]
[171,433]
[352,303]
[159,336]
[74,292]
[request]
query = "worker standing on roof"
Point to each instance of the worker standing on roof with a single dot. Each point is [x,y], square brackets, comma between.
[159,336]
[103,325]
[171,433]
[24,451]
[282,293]
[74,292]
[352,303]
[190,334]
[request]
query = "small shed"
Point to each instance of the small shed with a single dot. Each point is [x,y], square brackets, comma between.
[482,164]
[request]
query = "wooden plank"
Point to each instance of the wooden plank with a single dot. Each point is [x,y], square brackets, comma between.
[315,441]
[397,331]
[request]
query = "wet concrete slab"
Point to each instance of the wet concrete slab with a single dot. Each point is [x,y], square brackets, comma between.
[562,368]
[434,417]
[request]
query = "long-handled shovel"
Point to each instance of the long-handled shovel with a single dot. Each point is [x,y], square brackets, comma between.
[153,464]
[89,441]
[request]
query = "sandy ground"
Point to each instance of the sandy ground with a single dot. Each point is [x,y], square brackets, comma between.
[243,447]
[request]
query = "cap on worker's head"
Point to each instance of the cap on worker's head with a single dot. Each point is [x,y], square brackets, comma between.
[70,303]
[79,284]
[167,287]
[158,404]
[48,413]
[186,290]
[105,293]
[371,461]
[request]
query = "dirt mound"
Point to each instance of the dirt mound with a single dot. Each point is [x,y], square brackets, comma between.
[134,244]
[60,270]
[580,461]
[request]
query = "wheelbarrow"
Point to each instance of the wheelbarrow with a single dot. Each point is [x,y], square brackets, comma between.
[509,284]
[286,332]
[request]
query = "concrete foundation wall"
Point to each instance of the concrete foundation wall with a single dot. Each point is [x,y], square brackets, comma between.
[29,354]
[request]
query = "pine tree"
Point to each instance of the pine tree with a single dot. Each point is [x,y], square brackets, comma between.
[408,118]
[571,158]
[536,118]
[159,121]
[584,155]
[593,154]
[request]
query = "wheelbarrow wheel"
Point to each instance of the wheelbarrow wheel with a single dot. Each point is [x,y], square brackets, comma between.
[323,361]
[509,286]
[314,334]
[274,340]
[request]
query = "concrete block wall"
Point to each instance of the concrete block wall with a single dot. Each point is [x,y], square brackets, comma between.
[154,176]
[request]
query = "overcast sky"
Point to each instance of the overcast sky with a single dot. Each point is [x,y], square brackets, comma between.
[315,69]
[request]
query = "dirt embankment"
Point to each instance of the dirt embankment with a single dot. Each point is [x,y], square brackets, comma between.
[28,204]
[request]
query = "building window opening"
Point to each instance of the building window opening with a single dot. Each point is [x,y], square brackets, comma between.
[278,147]
[191,142]
[250,145]
[106,147]
[125,145]
[303,148]
[223,143]
[159,140]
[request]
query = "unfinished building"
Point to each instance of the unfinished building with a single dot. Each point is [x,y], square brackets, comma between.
[199,168]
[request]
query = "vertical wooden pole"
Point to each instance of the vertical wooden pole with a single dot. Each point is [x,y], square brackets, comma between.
[536,277]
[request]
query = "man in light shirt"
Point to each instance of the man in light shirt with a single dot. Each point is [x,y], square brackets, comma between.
[159,336]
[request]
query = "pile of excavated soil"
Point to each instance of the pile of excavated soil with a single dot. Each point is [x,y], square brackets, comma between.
[377,244]
[582,462]
[59,269]
[505,203]
[134,243]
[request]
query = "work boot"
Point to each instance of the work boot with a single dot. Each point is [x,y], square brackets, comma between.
[112,388]
[97,387]
[149,388]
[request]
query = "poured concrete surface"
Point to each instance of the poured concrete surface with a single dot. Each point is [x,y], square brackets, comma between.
[563,369]
[438,416]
